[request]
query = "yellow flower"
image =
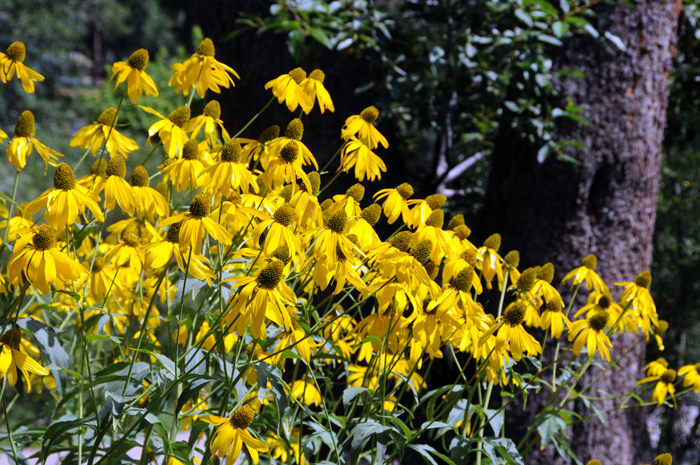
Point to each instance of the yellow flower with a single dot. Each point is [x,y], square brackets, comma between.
[92,136]
[511,331]
[40,263]
[295,339]
[170,129]
[65,201]
[151,202]
[362,126]
[658,366]
[289,88]
[25,141]
[229,174]
[234,432]
[126,253]
[692,376]
[396,203]
[12,62]
[260,149]
[293,133]
[591,333]
[196,223]
[363,227]
[208,120]
[117,190]
[636,297]
[3,136]
[306,390]
[134,70]
[185,172]
[586,272]
[159,254]
[663,388]
[367,163]
[314,88]
[12,359]
[261,296]
[553,317]
[104,279]
[204,70]
[491,263]
[279,232]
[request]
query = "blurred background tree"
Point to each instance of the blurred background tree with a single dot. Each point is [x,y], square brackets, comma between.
[450,78]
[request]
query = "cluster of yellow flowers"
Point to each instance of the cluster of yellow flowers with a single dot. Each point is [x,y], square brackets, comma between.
[302,277]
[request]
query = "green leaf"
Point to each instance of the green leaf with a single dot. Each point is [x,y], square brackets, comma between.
[321,37]
[550,40]
[551,424]
[524,17]
[505,447]
[101,337]
[362,432]
[425,451]
[351,393]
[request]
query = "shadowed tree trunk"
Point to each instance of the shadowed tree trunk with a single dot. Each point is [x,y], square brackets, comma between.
[560,211]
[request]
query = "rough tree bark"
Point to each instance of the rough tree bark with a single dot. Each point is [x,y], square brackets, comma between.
[560,211]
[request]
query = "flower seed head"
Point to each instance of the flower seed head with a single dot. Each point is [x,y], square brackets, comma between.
[493,242]
[405,190]
[173,235]
[338,222]
[243,417]
[273,132]
[464,279]
[315,181]
[436,219]
[353,238]
[139,59]
[594,462]
[130,239]
[663,459]
[370,114]
[99,168]
[462,232]
[282,253]
[515,313]
[116,167]
[231,153]
[64,178]
[234,197]
[180,117]
[371,214]
[206,48]
[555,304]
[669,376]
[16,52]
[212,109]
[432,269]
[605,301]
[435,201]
[290,152]
[469,256]
[318,75]
[455,221]
[298,75]
[527,280]
[590,262]
[162,189]
[402,240]
[422,251]
[44,238]
[12,338]
[139,178]
[643,280]
[287,192]
[284,215]
[512,258]
[190,151]
[262,187]
[199,208]
[98,265]
[270,276]
[108,117]
[357,192]
[25,125]
[295,129]
[256,352]
[546,273]
[599,320]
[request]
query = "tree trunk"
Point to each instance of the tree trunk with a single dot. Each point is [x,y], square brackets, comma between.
[560,211]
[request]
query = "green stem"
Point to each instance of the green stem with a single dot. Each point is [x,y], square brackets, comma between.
[254,118]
